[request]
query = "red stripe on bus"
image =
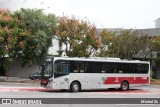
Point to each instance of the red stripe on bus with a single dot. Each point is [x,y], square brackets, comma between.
[131,80]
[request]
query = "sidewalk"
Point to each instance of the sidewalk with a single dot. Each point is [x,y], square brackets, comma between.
[15,79]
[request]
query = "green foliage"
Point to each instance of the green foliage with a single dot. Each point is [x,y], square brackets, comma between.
[42,28]
[156,47]
[156,44]
[125,45]
[130,44]
[107,38]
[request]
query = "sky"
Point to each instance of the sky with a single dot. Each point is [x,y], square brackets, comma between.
[135,14]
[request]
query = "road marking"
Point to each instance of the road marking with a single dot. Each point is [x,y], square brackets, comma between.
[41,89]
[155,91]
[23,89]
[136,104]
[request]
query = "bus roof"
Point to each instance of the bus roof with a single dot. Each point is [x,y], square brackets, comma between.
[97,59]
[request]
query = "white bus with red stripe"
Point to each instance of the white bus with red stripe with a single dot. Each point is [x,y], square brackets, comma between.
[78,74]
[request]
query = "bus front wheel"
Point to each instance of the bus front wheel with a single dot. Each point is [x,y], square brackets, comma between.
[75,87]
[124,86]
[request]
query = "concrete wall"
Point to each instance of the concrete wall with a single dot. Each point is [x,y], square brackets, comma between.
[17,70]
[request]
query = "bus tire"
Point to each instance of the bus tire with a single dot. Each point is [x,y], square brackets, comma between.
[75,87]
[124,86]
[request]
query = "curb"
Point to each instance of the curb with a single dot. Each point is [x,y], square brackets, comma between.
[18,80]
[25,81]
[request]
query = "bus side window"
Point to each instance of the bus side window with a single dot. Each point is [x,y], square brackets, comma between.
[106,67]
[121,68]
[114,68]
[91,67]
[88,67]
[62,69]
[120,71]
[77,67]
[103,68]
[74,67]
[81,67]
[98,67]
[146,68]
[59,69]
[75,71]
[140,68]
[66,69]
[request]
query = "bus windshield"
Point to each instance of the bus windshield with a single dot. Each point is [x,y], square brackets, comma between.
[47,69]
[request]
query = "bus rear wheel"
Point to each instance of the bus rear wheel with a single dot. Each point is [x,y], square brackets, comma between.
[75,87]
[124,86]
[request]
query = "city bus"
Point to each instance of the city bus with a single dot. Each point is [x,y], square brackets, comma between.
[76,74]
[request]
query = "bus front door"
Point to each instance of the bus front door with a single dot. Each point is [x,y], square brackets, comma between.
[64,84]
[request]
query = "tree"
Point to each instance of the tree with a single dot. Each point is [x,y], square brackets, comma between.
[146,47]
[42,28]
[125,45]
[156,56]
[107,38]
[156,45]
[79,37]
[12,35]
[130,44]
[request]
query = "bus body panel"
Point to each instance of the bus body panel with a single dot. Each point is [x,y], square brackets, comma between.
[58,83]
[101,80]
[98,81]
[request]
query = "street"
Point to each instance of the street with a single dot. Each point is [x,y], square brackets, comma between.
[34,90]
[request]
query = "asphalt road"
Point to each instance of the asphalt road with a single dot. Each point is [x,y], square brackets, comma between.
[33,90]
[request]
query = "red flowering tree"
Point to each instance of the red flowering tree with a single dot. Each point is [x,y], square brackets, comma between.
[12,35]
[79,37]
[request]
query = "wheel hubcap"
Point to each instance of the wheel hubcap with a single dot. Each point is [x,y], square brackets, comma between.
[75,87]
[124,86]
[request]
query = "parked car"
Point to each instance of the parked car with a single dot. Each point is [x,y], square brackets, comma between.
[36,75]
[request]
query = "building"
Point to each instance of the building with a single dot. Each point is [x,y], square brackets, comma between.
[157,23]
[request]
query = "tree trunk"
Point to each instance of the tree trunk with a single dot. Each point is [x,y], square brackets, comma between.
[67,52]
